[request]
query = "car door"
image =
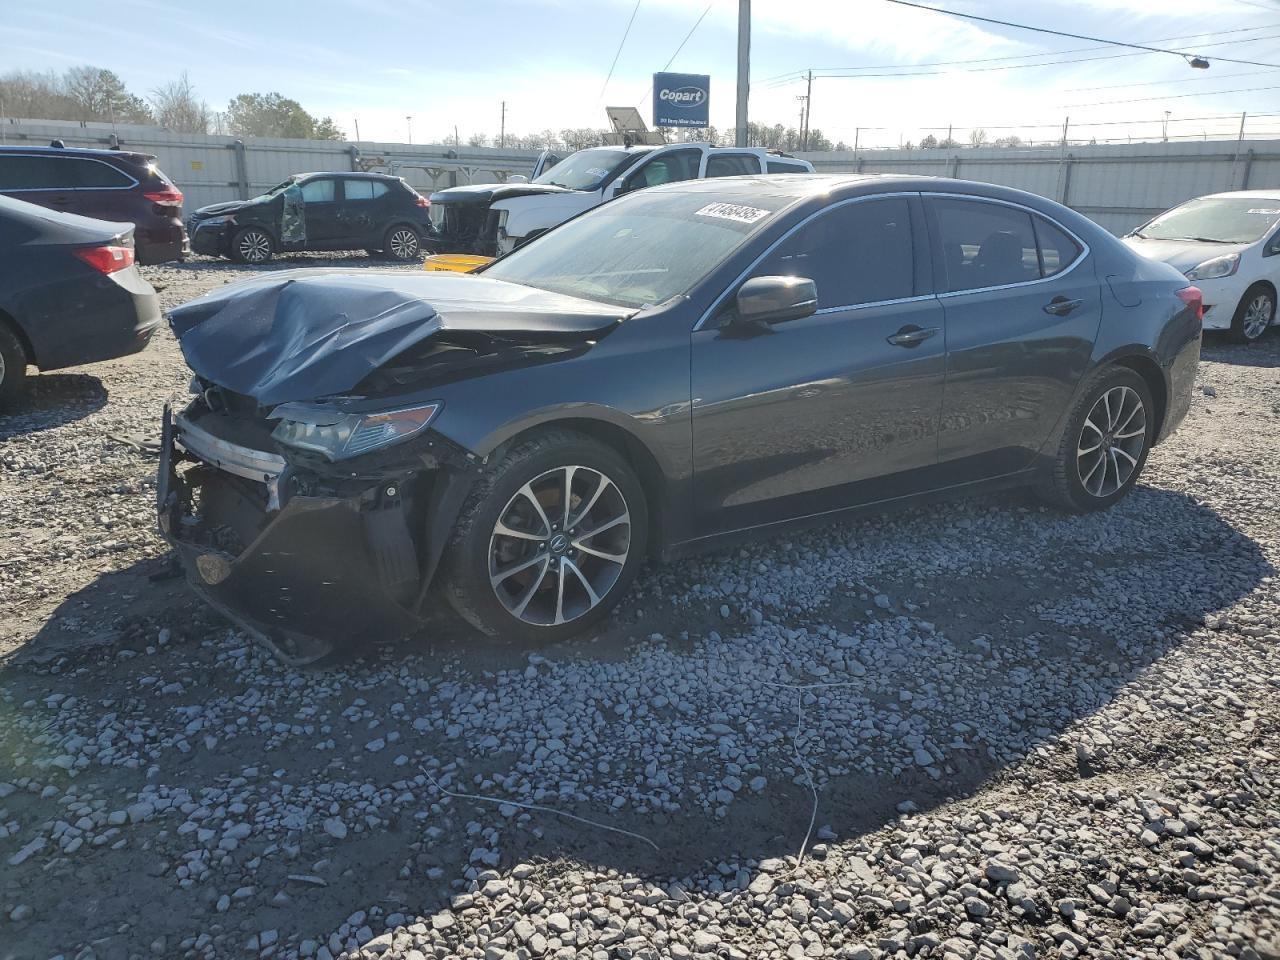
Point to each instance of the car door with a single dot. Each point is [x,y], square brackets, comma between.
[321,209]
[834,409]
[1022,311]
[362,211]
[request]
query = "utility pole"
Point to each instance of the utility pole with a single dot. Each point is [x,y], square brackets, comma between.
[1164,126]
[800,129]
[1239,143]
[409,122]
[502,133]
[808,109]
[744,71]
[357,129]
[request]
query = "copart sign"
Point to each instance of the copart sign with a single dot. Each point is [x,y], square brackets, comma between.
[681,99]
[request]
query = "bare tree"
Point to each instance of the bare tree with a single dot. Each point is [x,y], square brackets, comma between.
[101,95]
[177,107]
[977,137]
[478,140]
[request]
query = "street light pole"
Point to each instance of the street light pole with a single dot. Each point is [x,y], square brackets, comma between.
[744,70]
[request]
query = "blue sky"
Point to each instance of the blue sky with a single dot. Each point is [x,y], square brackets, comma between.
[452,63]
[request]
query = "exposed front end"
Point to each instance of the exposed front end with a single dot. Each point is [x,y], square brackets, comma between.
[306,555]
[464,226]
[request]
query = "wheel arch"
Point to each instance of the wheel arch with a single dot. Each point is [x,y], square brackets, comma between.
[8,320]
[1153,374]
[607,431]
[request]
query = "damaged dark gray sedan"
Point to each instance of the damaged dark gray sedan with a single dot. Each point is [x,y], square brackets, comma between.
[670,371]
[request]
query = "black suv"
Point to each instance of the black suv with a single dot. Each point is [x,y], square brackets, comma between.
[317,211]
[113,185]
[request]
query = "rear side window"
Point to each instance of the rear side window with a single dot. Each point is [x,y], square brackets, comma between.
[858,253]
[731,164]
[363,189]
[95,173]
[984,244]
[317,191]
[785,166]
[33,172]
[1058,249]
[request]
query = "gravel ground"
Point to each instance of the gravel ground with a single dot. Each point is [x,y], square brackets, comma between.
[981,729]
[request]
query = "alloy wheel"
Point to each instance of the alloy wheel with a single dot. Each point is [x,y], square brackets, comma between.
[254,246]
[1257,316]
[1111,441]
[2,369]
[403,244]
[559,545]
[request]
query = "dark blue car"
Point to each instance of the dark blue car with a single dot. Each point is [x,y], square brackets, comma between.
[672,370]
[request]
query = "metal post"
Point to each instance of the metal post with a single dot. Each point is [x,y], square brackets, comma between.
[744,70]
[357,119]
[808,109]
[502,132]
[856,133]
[1239,142]
[409,122]
[242,169]
[1066,180]
[1248,169]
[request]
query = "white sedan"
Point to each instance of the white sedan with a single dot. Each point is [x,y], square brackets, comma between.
[1228,245]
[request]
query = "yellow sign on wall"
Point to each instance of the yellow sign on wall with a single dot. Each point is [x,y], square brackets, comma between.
[197,164]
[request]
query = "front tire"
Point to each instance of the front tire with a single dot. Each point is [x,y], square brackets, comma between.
[13,366]
[251,245]
[403,243]
[1105,445]
[1256,312]
[549,540]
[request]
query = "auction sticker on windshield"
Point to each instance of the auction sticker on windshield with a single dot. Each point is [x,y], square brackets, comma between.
[737,212]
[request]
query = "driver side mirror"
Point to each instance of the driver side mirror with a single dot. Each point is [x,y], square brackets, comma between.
[1273,247]
[776,299]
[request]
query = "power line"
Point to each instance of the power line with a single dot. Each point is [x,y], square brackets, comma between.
[1016,66]
[1074,36]
[697,23]
[1158,83]
[621,43]
[1051,53]
[1177,96]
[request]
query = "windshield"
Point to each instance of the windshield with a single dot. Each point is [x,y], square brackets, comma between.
[586,169]
[1222,220]
[639,250]
[279,187]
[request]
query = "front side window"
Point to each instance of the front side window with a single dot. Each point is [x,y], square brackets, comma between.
[983,244]
[667,168]
[317,191]
[1215,219]
[640,249]
[587,169]
[731,165]
[856,253]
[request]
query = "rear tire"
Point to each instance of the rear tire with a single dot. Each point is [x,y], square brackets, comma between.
[403,243]
[251,245]
[512,568]
[13,366]
[1256,312]
[1105,444]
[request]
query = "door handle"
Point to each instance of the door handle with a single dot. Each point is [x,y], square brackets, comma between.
[912,336]
[1061,306]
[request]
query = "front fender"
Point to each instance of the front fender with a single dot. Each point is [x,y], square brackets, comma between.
[526,215]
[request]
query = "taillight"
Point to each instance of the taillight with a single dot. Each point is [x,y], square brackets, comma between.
[106,259]
[421,201]
[1194,299]
[166,198]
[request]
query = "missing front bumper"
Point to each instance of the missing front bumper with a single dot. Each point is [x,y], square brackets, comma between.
[320,573]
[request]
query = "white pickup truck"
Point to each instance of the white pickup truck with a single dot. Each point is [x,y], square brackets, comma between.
[494,218]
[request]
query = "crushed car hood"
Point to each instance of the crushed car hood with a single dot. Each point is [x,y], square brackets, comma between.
[305,334]
[488,192]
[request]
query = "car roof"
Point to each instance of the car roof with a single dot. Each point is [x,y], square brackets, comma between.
[1242,195]
[350,174]
[91,152]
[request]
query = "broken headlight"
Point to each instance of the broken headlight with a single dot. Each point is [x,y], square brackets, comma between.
[338,436]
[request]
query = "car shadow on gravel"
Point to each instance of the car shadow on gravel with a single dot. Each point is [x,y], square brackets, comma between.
[900,662]
[1264,352]
[53,400]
